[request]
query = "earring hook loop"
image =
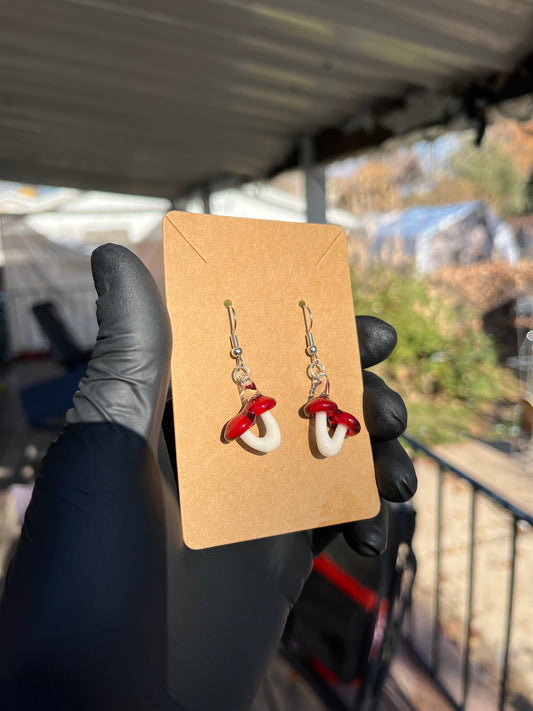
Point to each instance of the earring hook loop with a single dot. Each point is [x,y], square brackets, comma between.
[305,307]
[241,373]
[232,316]
[315,370]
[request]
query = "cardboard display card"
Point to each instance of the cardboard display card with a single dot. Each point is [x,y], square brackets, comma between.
[227,492]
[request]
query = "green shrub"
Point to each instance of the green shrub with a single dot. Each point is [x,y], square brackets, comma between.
[444,365]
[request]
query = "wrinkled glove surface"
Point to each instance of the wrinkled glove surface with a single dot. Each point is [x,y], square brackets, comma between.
[104,607]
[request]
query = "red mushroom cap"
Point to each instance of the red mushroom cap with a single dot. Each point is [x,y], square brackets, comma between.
[261,404]
[344,418]
[320,404]
[238,425]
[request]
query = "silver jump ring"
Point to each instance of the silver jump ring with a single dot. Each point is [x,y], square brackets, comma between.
[316,370]
[242,374]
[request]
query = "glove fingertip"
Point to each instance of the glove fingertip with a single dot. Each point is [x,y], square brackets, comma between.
[377,340]
[370,547]
[384,409]
[368,537]
[395,473]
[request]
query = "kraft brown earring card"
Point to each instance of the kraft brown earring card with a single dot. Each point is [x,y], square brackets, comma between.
[228,492]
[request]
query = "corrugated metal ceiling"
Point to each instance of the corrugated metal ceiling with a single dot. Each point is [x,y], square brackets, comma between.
[155,96]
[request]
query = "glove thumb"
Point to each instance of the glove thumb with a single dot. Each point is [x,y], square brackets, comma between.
[128,374]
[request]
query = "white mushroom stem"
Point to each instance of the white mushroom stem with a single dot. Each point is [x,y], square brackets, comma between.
[270,440]
[328,446]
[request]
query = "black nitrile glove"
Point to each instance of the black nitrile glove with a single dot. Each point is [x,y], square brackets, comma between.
[104,607]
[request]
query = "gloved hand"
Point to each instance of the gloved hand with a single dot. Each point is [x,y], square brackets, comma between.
[104,607]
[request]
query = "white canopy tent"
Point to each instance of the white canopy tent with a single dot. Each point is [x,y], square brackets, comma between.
[38,270]
[45,250]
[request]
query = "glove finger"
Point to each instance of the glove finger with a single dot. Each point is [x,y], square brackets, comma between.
[322,537]
[377,340]
[396,481]
[128,374]
[384,410]
[395,473]
[368,537]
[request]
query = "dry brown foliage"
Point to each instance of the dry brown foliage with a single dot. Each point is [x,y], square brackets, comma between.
[518,141]
[487,285]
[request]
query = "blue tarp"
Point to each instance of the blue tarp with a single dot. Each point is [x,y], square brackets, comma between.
[460,233]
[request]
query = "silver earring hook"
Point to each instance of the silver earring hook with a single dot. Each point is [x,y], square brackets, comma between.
[236,351]
[304,306]
[311,348]
[315,370]
[241,372]
[232,316]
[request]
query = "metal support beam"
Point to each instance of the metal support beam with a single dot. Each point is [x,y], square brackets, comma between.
[179,203]
[205,197]
[315,182]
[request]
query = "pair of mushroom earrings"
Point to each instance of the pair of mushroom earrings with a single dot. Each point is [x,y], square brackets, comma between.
[258,408]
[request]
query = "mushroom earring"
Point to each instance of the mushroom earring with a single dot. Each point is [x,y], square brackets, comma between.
[255,406]
[324,411]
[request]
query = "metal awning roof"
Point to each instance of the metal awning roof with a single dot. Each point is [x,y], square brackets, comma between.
[159,96]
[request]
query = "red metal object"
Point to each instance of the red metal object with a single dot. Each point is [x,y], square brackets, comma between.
[363,596]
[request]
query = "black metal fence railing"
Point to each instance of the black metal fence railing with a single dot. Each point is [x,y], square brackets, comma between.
[520,521]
